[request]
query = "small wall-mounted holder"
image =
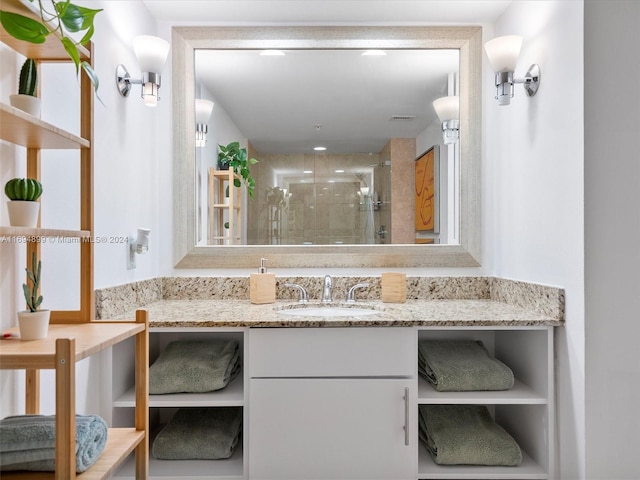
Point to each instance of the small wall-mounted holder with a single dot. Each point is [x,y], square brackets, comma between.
[139,245]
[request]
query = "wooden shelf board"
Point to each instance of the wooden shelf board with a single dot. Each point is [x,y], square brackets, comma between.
[519,394]
[50,50]
[40,354]
[42,232]
[23,129]
[428,469]
[230,396]
[120,443]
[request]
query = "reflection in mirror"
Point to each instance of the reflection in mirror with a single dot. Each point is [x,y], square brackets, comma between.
[370,114]
[289,246]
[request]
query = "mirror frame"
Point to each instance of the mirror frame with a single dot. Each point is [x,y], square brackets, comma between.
[186,254]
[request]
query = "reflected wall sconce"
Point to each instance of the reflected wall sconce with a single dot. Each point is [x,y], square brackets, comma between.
[151,53]
[203,113]
[139,245]
[503,53]
[448,111]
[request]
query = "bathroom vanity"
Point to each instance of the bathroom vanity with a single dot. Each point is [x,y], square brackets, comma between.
[337,397]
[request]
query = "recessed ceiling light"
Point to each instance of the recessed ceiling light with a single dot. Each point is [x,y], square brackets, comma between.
[307,171]
[374,53]
[319,149]
[339,171]
[272,53]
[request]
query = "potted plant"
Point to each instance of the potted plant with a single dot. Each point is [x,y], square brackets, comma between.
[232,156]
[26,99]
[33,323]
[23,206]
[64,18]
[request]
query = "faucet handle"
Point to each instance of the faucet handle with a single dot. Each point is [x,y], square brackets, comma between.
[303,293]
[351,296]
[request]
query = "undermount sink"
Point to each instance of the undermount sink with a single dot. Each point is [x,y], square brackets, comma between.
[329,311]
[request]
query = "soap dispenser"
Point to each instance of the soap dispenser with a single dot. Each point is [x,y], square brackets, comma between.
[262,285]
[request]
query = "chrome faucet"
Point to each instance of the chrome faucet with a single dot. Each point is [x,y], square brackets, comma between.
[326,289]
[351,296]
[303,293]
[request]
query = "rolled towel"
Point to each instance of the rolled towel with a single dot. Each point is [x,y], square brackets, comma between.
[195,366]
[466,435]
[461,365]
[199,434]
[28,442]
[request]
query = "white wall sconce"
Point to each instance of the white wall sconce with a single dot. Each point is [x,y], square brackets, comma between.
[151,53]
[139,245]
[203,113]
[503,53]
[448,111]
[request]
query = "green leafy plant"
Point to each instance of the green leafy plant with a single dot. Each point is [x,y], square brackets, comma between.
[238,160]
[27,189]
[28,83]
[32,287]
[65,18]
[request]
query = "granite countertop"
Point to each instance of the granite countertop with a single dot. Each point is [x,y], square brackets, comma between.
[241,313]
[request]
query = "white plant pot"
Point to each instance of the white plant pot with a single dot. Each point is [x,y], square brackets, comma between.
[33,325]
[23,213]
[26,103]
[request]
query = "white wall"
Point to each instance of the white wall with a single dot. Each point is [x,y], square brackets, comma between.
[612,229]
[534,190]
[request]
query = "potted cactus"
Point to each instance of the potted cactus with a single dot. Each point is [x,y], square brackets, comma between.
[23,206]
[33,323]
[26,99]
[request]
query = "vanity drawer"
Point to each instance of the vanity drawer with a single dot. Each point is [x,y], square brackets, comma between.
[332,352]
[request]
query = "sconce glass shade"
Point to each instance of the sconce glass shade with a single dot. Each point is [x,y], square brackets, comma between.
[503,52]
[448,111]
[447,108]
[151,52]
[203,110]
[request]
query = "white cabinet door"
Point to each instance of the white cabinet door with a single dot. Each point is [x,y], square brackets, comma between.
[332,428]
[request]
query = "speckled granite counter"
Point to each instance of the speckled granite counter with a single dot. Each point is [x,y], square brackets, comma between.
[241,313]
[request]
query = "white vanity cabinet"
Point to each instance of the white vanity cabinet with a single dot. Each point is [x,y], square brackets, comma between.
[332,403]
[342,403]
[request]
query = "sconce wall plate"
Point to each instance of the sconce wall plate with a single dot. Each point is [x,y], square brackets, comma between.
[123,80]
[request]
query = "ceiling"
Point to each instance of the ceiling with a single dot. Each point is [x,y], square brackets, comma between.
[277,102]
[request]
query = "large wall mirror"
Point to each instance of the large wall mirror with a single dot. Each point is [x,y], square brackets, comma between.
[352,205]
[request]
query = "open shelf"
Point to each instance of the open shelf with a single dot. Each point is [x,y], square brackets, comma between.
[23,129]
[230,396]
[428,469]
[120,443]
[42,232]
[51,49]
[224,469]
[518,394]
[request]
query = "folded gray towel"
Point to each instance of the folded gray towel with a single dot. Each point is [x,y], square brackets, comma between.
[466,435]
[27,442]
[461,365]
[199,434]
[195,366]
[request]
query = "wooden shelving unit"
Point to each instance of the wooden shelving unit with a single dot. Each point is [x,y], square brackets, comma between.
[73,335]
[60,351]
[35,135]
[224,210]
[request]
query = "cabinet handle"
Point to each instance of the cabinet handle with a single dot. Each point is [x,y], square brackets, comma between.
[406,415]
